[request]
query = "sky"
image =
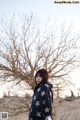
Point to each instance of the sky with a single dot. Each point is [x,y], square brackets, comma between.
[41,8]
[44,9]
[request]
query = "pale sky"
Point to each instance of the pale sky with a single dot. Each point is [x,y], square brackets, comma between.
[44,9]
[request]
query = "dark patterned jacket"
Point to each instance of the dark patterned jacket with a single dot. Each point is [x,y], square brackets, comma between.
[41,102]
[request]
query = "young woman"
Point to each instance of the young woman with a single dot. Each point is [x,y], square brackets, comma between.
[41,107]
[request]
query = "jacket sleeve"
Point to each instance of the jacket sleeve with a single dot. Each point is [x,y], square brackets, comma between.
[46,101]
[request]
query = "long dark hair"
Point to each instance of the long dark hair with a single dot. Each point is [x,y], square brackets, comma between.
[42,73]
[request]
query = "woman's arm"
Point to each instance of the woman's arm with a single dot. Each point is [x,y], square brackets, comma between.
[46,102]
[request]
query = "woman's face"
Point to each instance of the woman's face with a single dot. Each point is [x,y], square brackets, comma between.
[38,79]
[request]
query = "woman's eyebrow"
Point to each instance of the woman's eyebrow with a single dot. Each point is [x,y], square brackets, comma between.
[38,74]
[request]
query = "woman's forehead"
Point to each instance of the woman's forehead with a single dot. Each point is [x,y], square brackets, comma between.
[38,74]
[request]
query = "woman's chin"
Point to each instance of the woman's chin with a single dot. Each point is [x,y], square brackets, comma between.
[38,83]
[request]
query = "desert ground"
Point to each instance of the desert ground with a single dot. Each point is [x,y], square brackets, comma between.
[18,107]
[69,110]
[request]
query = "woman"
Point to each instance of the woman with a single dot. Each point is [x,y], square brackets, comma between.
[41,107]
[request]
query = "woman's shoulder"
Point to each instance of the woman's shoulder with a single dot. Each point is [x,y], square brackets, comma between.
[46,86]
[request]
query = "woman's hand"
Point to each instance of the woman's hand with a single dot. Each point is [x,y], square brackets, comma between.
[48,118]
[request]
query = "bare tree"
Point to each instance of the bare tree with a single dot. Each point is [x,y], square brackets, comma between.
[26,48]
